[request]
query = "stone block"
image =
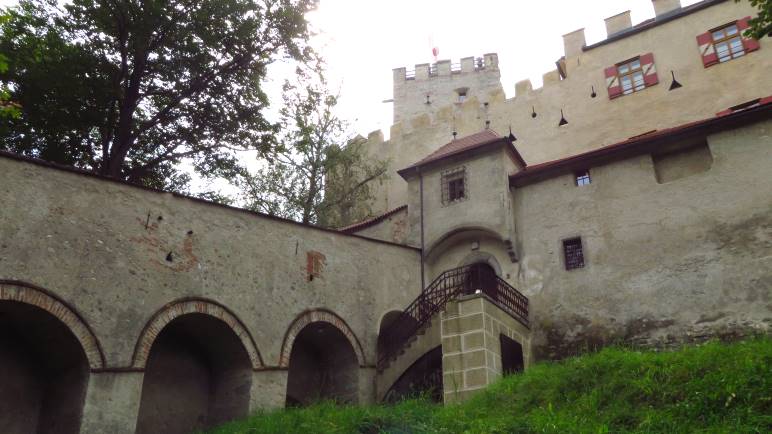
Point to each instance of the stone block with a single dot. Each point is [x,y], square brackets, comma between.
[451,344]
[453,381]
[473,340]
[473,359]
[462,324]
[467,307]
[476,377]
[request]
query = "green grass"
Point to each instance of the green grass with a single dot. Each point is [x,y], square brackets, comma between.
[712,388]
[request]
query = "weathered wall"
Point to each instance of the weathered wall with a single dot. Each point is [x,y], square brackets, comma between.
[592,122]
[664,262]
[119,254]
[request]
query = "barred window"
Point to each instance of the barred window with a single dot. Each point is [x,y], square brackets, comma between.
[573,253]
[454,187]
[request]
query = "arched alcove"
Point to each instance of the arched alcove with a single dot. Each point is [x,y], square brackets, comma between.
[322,366]
[43,372]
[198,374]
[323,357]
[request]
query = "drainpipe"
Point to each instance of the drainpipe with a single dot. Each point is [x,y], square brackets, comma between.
[421,198]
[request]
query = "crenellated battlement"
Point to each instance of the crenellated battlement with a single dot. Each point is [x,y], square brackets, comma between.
[445,68]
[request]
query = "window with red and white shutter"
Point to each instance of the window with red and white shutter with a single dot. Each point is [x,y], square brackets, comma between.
[726,43]
[631,76]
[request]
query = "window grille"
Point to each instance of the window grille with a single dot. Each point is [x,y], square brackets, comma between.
[573,253]
[454,185]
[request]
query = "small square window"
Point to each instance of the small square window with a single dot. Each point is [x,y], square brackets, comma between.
[573,253]
[454,185]
[582,178]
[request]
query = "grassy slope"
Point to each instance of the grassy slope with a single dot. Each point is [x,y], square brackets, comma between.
[716,388]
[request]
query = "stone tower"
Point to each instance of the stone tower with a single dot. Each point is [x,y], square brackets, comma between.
[433,86]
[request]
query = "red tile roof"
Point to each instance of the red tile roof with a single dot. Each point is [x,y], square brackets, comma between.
[371,221]
[742,114]
[467,143]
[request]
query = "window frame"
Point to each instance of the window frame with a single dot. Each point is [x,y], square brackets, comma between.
[726,39]
[631,73]
[454,175]
[581,175]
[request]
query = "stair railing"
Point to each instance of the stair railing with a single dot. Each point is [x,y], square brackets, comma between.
[446,287]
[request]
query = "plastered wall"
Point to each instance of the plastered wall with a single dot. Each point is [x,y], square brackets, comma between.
[664,262]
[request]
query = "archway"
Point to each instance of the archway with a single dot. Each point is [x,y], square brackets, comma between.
[43,372]
[198,373]
[481,277]
[323,359]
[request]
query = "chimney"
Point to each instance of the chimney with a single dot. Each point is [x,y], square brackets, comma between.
[618,22]
[662,7]
[573,43]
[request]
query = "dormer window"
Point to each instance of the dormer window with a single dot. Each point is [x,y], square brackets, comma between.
[454,185]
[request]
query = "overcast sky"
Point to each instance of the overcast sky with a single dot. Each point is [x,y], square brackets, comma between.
[363,40]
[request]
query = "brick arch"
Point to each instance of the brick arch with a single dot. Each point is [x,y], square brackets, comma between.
[22,292]
[187,306]
[318,315]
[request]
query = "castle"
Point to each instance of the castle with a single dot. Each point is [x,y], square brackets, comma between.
[627,200]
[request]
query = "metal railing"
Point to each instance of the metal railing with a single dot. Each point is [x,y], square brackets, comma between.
[447,286]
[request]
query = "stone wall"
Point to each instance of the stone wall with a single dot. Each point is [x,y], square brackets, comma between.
[117,263]
[664,262]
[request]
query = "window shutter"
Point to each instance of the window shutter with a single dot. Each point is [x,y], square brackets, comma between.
[707,51]
[650,77]
[749,44]
[612,82]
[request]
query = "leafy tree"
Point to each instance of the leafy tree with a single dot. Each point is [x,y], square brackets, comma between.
[8,109]
[131,88]
[761,25]
[313,177]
